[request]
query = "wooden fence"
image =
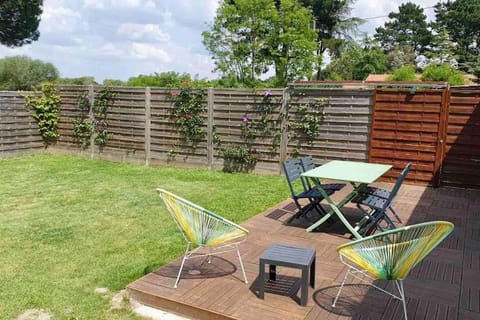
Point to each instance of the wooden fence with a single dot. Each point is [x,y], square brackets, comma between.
[436,129]
[18,130]
[461,164]
[143,130]
[407,126]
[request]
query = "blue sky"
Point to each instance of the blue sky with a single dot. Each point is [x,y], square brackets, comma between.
[117,39]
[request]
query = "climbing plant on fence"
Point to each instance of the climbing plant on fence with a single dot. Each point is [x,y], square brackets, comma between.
[189,107]
[304,124]
[45,109]
[93,118]
[261,122]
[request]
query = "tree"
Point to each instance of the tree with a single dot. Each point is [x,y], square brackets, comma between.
[19,20]
[170,79]
[443,72]
[357,63]
[237,38]
[78,81]
[291,43]
[23,73]
[333,25]
[408,27]
[113,83]
[399,57]
[461,19]
[248,37]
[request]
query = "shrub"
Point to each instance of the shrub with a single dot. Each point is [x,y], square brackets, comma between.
[405,73]
[443,72]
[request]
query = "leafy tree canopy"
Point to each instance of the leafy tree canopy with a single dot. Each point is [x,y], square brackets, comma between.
[19,20]
[23,73]
[443,72]
[248,37]
[462,20]
[170,79]
[78,81]
[357,63]
[408,27]
[113,83]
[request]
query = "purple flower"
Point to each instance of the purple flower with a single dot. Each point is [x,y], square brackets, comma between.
[267,93]
[188,116]
[101,128]
[245,119]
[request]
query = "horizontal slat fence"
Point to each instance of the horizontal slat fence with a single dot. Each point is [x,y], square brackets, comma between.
[385,125]
[230,106]
[405,128]
[345,130]
[461,165]
[18,130]
[166,142]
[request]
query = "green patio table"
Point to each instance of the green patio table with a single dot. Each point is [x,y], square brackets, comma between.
[358,174]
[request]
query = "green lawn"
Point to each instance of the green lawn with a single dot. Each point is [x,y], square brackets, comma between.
[70,225]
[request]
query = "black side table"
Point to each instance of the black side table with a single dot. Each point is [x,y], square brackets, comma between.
[292,257]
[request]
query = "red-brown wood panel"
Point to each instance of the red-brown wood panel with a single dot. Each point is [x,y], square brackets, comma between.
[406,127]
[461,163]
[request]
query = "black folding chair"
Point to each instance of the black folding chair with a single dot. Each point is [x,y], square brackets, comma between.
[374,203]
[301,191]
[308,164]
[383,193]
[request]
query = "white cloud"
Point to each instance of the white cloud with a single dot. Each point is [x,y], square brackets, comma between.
[102,4]
[135,31]
[148,51]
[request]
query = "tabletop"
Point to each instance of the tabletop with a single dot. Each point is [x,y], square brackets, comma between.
[350,171]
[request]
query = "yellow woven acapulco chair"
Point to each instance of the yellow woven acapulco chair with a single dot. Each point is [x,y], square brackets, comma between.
[203,229]
[391,255]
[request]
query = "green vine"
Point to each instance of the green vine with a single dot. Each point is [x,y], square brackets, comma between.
[238,158]
[188,108]
[82,130]
[85,126]
[45,109]
[309,118]
[104,99]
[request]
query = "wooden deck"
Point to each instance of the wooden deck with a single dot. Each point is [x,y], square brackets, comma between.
[446,285]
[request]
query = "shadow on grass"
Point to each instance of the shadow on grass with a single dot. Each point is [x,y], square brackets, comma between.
[198,268]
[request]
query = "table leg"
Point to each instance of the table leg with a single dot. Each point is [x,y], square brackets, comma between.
[304,287]
[261,278]
[312,272]
[335,209]
[272,272]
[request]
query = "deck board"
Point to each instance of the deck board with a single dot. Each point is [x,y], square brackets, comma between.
[446,285]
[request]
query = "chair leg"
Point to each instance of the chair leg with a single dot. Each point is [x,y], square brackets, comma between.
[241,265]
[395,214]
[399,284]
[181,266]
[341,288]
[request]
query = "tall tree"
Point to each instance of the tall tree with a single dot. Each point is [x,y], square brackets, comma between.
[356,63]
[237,38]
[248,37]
[19,20]
[23,73]
[462,20]
[407,27]
[292,42]
[333,24]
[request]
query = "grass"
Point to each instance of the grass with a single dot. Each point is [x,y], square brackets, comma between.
[70,225]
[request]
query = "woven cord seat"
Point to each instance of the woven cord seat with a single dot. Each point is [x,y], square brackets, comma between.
[203,229]
[392,254]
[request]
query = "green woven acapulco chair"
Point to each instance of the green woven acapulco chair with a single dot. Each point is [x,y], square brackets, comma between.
[203,229]
[391,255]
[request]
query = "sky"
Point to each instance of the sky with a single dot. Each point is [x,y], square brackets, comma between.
[118,39]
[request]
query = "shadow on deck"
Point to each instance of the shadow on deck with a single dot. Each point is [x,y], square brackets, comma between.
[446,285]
